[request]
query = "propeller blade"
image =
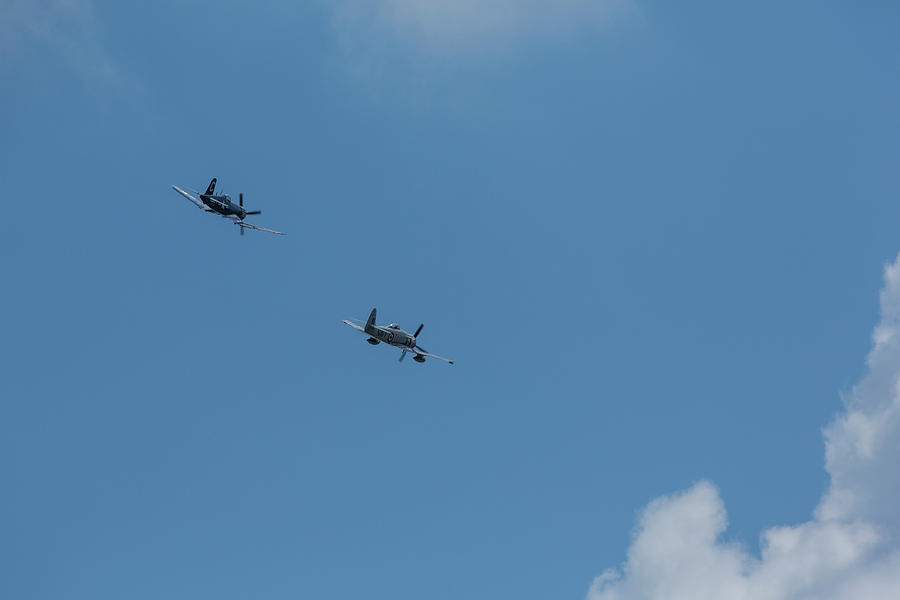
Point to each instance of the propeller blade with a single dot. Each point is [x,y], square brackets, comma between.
[254,212]
[241,199]
[419,330]
[242,230]
[402,356]
[421,348]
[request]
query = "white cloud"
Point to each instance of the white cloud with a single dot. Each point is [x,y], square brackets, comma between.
[67,28]
[849,550]
[462,27]
[417,49]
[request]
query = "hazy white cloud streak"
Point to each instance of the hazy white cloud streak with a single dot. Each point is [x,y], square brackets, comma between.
[67,28]
[466,27]
[848,551]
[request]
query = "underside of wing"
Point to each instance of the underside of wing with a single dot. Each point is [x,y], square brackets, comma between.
[421,352]
[257,228]
[194,200]
[354,326]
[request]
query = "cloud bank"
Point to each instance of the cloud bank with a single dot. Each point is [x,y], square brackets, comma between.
[68,29]
[461,27]
[849,550]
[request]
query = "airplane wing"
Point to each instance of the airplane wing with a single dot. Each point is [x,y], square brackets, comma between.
[257,228]
[419,350]
[354,326]
[197,202]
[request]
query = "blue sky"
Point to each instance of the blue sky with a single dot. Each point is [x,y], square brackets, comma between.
[653,238]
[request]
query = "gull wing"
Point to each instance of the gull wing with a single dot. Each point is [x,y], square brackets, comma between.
[197,202]
[257,228]
[422,352]
[354,326]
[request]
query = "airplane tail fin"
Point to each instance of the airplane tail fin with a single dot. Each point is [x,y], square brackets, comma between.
[371,321]
[212,187]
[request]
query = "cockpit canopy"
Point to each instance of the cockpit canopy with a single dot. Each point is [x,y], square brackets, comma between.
[393,326]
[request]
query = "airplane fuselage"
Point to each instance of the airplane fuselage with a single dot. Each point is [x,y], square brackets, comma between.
[222,204]
[392,335]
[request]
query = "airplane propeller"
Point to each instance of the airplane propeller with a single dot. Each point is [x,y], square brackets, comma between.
[415,335]
[249,212]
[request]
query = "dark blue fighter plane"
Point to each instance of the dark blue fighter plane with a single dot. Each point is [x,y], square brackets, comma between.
[222,205]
